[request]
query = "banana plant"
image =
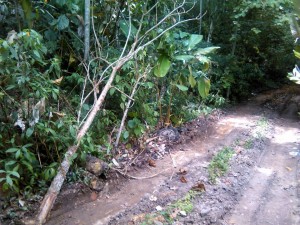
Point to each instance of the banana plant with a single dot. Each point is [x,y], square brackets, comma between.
[184,64]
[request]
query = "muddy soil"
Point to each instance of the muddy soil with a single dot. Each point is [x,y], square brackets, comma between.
[261,185]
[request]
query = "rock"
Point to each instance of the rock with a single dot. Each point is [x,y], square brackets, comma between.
[169,134]
[183,213]
[204,211]
[95,166]
[95,183]
[158,208]
[156,222]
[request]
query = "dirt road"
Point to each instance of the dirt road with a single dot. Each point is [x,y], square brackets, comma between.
[261,185]
[271,197]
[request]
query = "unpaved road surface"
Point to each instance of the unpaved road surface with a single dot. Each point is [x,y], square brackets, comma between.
[260,187]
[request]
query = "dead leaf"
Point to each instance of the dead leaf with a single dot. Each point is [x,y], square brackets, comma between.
[183,171]
[138,218]
[93,196]
[174,214]
[183,179]
[238,150]
[153,198]
[59,114]
[199,187]
[159,218]
[115,163]
[151,163]
[289,168]
[57,81]
[21,202]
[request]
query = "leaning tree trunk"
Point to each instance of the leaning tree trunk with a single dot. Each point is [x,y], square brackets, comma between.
[200,20]
[57,182]
[86,30]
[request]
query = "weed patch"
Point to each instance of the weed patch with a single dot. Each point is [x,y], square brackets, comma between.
[249,144]
[220,163]
[169,215]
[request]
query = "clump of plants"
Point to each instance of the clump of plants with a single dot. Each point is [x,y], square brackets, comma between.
[170,214]
[220,163]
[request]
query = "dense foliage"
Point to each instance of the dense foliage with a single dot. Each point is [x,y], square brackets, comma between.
[47,89]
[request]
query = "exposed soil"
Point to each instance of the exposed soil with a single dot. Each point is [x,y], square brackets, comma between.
[261,185]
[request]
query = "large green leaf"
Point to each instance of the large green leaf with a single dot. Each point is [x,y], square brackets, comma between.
[29,132]
[182,87]
[297,54]
[62,22]
[162,67]
[204,51]
[11,150]
[14,173]
[194,40]
[203,59]
[125,28]
[184,58]
[192,80]
[204,87]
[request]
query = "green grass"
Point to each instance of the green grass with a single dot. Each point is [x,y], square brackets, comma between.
[249,144]
[220,163]
[184,204]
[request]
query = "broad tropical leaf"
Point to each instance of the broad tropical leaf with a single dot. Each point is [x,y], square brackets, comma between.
[194,40]
[184,58]
[297,54]
[62,22]
[162,66]
[192,80]
[204,51]
[204,87]
[125,28]
[182,87]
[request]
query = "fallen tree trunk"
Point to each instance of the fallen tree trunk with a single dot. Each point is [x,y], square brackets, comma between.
[55,187]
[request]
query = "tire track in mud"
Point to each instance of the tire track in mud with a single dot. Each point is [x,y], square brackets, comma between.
[218,199]
[275,181]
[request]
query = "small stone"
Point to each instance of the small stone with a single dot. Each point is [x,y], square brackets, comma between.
[153,198]
[183,213]
[156,222]
[158,208]
[204,211]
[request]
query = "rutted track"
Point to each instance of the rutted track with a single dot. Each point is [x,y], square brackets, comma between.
[261,187]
